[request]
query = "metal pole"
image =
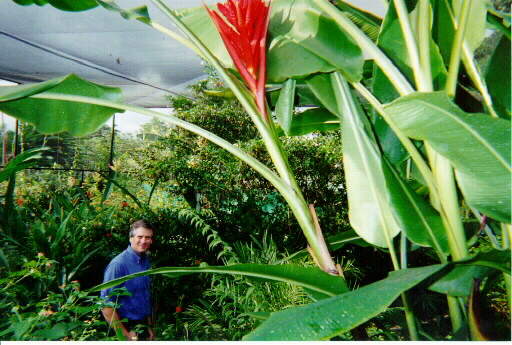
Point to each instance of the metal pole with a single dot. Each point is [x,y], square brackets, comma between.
[15,150]
[112,136]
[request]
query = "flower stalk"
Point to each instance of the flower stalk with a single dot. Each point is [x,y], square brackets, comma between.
[244,29]
[285,181]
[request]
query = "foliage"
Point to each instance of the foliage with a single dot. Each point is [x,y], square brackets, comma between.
[76,233]
[202,174]
[408,178]
[228,307]
[36,307]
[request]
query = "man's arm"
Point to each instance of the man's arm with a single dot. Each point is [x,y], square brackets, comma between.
[112,317]
[150,328]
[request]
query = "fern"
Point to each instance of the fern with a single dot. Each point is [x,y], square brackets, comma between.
[212,236]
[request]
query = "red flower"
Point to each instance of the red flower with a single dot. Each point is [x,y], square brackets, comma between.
[20,202]
[198,262]
[46,313]
[244,29]
[124,204]
[179,309]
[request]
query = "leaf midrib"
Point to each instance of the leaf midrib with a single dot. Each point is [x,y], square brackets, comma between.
[477,137]
[162,270]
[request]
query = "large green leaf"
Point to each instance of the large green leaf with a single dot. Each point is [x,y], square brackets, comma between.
[498,78]
[314,41]
[392,42]
[311,278]
[56,332]
[477,29]
[419,220]
[442,27]
[285,105]
[312,120]
[321,87]
[138,13]
[458,281]
[66,5]
[370,212]
[477,145]
[379,199]
[53,116]
[495,258]
[22,161]
[499,20]
[301,41]
[339,314]
[199,22]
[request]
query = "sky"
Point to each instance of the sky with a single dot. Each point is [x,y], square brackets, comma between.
[130,122]
[376,6]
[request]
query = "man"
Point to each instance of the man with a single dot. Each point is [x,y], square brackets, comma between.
[137,307]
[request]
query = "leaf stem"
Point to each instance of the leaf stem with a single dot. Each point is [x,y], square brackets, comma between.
[456,317]
[270,139]
[251,161]
[453,69]
[347,107]
[506,235]
[450,208]
[245,98]
[408,144]
[175,36]
[424,44]
[473,71]
[409,314]
[409,317]
[476,77]
[412,48]
[398,80]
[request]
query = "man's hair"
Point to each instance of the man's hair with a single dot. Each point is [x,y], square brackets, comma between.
[141,224]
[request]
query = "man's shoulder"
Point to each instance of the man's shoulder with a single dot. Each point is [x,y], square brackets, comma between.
[117,267]
[120,259]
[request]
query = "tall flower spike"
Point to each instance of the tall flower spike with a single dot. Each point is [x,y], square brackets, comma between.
[243,28]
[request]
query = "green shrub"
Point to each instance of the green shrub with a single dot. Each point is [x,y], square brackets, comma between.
[35,307]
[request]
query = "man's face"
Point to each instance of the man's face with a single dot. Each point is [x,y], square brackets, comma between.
[141,240]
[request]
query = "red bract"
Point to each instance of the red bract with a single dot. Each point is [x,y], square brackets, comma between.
[244,30]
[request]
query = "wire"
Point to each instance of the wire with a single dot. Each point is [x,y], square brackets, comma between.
[86,63]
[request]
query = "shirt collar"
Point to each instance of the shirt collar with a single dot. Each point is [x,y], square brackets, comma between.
[136,257]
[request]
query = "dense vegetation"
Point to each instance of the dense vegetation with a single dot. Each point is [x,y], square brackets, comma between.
[412,196]
[183,185]
[61,241]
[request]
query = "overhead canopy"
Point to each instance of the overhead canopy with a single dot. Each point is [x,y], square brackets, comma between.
[40,43]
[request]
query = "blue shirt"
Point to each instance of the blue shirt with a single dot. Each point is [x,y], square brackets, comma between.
[138,305]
